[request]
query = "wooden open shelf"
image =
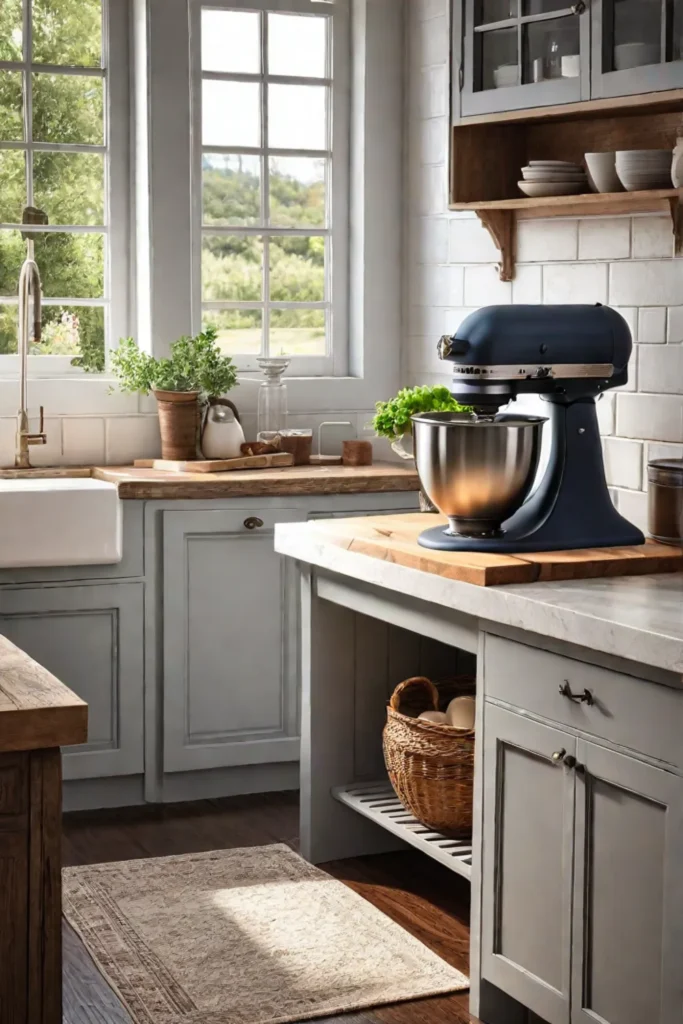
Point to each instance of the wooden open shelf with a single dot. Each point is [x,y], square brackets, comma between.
[488,153]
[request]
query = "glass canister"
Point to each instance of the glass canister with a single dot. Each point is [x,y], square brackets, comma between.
[272,396]
[665,491]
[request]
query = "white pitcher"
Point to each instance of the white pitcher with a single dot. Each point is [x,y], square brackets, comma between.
[222,436]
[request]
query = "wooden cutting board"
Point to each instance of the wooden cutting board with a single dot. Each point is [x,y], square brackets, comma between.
[394,539]
[276,460]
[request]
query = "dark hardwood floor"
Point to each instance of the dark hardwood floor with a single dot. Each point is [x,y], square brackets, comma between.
[425,898]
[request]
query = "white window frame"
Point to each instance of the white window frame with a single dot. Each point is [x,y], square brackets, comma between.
[114,73]
[336,361]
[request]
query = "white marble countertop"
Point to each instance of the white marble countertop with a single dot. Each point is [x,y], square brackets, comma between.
[635,617]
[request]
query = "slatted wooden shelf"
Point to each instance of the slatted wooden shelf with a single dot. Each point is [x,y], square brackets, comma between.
[378,802]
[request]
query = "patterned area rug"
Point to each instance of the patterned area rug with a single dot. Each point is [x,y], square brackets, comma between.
[250,936]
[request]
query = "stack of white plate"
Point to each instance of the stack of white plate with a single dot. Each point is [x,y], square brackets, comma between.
[553,178]
[642,169]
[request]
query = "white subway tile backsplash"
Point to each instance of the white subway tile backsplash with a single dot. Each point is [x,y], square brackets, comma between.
[437,286]
[83,441]
[606,413]
[646,283]
[429,8]
[623,462]
[652,238]
[650,417]
[605,239]
[630,315]
[8,434]
[652,325]
[430,42]
[633,506]
[429,240]
[49,454]
[483,287]
[470,242]
[540,241]
[674,328]
[430,141]
[430,99]
[429,189]
[660,369]
[575,283]
[527,287]
[132,437]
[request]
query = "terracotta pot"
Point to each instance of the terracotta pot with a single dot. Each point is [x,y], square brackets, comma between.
[179,424]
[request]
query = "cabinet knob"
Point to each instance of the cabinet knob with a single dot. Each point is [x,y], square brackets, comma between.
[559,756]
[579,8]
[579,698]
[253,523]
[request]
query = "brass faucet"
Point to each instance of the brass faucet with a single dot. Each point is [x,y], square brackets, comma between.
[29,288]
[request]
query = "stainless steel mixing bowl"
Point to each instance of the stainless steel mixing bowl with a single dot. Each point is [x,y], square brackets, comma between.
[478,472]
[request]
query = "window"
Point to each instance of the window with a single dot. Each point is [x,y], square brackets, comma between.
[270,181]
[62,114]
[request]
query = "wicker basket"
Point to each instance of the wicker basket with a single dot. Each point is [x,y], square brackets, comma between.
[431,767]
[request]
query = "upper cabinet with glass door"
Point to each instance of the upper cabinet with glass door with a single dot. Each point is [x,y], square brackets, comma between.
[521,53]
[637,46]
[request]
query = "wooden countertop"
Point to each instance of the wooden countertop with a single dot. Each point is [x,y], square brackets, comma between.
[36,710]
[151,484]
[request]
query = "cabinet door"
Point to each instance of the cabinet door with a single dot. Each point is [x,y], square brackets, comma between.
[628,893]
[514,54]
[527,862]
[637,46]
[91,638]
[229,640]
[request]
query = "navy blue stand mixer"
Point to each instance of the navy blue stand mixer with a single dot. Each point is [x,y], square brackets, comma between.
[479,468]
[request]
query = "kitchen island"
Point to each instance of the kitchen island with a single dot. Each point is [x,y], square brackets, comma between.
[577,906]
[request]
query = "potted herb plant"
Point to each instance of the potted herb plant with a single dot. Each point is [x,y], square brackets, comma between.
[393,418]
[195,373]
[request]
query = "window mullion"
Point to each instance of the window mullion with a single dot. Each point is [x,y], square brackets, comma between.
[265,189]
[28,97]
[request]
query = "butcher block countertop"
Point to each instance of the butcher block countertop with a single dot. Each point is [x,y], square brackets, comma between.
[36,710]
[152,484]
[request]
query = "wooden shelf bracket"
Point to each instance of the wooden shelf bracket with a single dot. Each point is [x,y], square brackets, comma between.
[502,226]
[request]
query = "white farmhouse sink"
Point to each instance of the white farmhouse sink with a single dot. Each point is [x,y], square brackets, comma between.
[59,521]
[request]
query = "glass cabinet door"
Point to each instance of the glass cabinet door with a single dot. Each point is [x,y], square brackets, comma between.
[637,46]
[522,53]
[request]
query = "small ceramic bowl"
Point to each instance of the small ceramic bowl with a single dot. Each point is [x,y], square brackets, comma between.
[602,172]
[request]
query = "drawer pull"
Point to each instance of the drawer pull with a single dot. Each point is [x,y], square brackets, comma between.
[579,698]
[253,523]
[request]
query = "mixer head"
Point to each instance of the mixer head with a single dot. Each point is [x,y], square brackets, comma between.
[562,352]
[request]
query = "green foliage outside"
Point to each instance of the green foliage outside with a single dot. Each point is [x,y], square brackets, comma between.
[195,364]
[393,418]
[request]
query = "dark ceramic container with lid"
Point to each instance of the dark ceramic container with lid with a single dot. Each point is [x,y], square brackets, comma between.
[665,478]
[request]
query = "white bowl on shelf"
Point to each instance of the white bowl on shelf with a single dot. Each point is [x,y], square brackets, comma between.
[505,76]
[542,189]
[534,174]
[644,169]
[635,55]
[602,172]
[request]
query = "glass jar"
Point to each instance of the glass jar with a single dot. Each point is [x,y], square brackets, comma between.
[665,491]
[272,396]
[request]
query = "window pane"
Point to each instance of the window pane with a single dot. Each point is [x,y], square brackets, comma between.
[545,6]
[71,266]
[239,330]
[69,187]
[297,117]
[551,49]
[497,67]
[231,189]
[9,327]
[67,33]
[12,186]
[297,269]
[297,45]
[297,332]
[297,192]
[232,268]
[11,30]
[488,11]
[231,114]
[67,108]
[73,331]
[231,42]
[637,34]
[11,117]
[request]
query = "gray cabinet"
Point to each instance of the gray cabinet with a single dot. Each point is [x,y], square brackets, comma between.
[229,648]
[582,899]
[527,862]
[637,46]
[628,892]
[91,638]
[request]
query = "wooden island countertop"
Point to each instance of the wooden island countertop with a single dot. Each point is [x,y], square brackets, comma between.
[154,484]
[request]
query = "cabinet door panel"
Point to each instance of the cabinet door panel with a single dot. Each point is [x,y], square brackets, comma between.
[229,683]
[91,638]
[527,865]
[628,900]
[636,46]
